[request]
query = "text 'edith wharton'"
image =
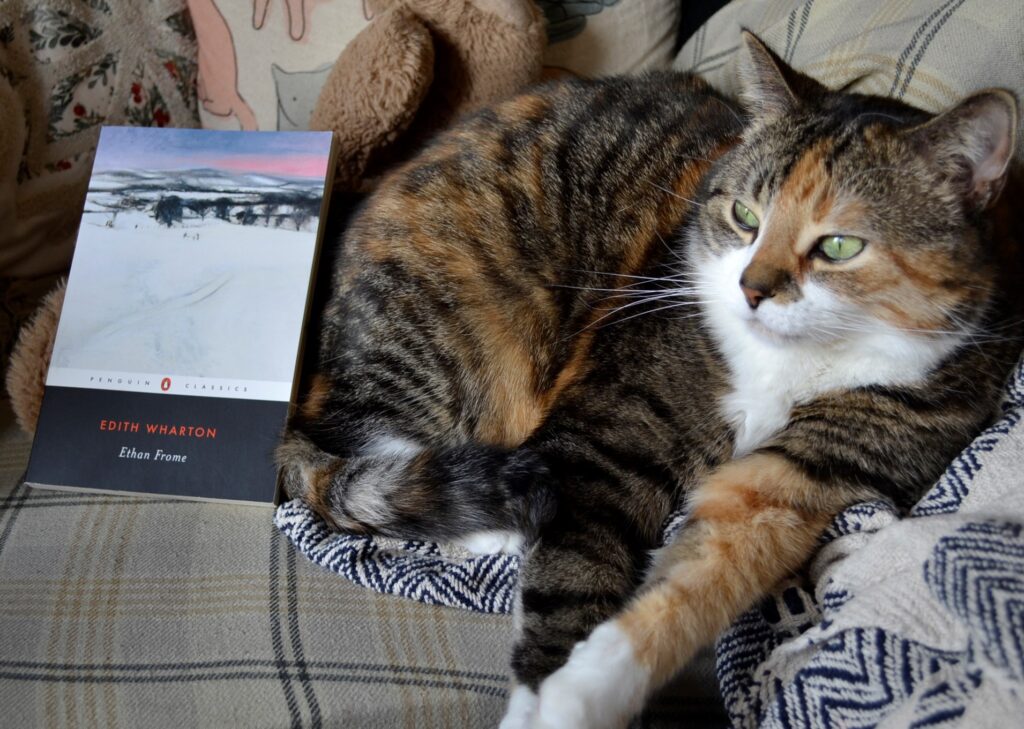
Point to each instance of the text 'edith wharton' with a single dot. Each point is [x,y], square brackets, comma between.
[184,431]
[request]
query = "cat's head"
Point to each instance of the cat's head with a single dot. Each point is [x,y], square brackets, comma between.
[840,214]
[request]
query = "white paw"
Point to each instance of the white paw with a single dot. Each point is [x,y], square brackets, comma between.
[493,542]
[522,705]
[560,709]
[601,686]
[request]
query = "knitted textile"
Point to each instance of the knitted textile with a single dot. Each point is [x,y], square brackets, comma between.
[915,622]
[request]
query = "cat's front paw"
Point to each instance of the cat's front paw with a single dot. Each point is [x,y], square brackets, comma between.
[560,710]
[522,707]
[600,687]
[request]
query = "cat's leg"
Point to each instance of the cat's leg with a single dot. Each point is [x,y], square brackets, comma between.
[451,494]
[586,564]
[753,521]
[522,708]
[493,541]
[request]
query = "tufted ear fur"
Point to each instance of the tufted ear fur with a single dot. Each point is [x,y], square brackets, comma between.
[764,90]
[973,144]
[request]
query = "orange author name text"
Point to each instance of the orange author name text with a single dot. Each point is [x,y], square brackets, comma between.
[182,431]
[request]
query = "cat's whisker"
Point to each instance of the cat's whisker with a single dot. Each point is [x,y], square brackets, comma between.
[668,295]
[674,194]
[666,245]
[637,298]
[613,312]
[622,275]
[866,328]
[653,311]
[732,111]
[625,291]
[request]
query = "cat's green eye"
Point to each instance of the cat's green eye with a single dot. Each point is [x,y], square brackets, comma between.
[744,217]
[840,247]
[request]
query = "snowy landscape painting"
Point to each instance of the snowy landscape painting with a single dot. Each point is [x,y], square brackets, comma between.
[194,254]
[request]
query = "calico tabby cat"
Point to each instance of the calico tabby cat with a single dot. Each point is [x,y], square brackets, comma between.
[600,299]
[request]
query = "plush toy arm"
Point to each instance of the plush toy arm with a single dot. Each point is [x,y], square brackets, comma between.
[374,90]
[30,359]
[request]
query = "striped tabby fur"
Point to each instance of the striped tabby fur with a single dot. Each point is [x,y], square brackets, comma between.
[552,323]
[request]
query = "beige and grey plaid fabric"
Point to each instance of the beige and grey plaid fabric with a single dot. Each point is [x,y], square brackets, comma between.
[122,611]
[929,53]
[126,612]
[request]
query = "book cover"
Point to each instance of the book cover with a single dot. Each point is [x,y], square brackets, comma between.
[176,356]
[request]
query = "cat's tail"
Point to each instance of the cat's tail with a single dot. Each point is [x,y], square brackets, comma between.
[407,492]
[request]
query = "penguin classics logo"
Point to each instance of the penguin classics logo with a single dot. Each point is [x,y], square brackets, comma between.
[165,384]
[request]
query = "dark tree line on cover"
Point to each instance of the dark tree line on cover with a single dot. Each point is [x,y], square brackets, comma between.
[270,209]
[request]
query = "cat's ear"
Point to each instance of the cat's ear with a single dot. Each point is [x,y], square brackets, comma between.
[973,143]
[764,90]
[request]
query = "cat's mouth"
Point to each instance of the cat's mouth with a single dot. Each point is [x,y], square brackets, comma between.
[764,331]
[778,333]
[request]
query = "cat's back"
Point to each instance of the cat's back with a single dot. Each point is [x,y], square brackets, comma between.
[568,164]
[489,255]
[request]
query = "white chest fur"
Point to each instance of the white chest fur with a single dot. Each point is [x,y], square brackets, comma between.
[771,374]
[768,380]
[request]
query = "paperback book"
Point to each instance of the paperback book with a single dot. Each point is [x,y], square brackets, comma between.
[178,347]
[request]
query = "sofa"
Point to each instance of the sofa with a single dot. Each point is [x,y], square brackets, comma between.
[124,611]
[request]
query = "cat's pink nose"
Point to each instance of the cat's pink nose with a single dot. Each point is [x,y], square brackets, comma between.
[753,296]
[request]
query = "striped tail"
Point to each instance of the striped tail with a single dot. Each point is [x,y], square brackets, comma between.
[411,493]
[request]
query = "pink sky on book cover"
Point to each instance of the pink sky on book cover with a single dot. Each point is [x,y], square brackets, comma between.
[286,154]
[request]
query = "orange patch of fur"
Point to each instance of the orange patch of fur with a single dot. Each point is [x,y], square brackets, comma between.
[755,520]
[317,495]
[525,107]
[575,368]
[685,189]
[316,397]
[376,250]
[805,195]
[908,295]
[517,406]
[802,193]
[514,410]
[652,230]
[807,176]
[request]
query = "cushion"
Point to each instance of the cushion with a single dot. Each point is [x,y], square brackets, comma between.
[603,37]
[262,63]
[930,54]
[66,68]
[122,611]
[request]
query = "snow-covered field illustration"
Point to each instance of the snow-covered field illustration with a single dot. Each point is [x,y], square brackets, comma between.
[194,254]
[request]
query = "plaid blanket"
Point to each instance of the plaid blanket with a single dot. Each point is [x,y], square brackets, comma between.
[120,611]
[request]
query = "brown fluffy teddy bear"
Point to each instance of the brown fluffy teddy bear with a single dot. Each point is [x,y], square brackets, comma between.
[409,73]
[417,66]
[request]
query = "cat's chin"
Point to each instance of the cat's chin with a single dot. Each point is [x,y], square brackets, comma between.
[772,336]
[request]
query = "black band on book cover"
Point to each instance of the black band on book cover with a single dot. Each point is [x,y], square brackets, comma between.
[182,445]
